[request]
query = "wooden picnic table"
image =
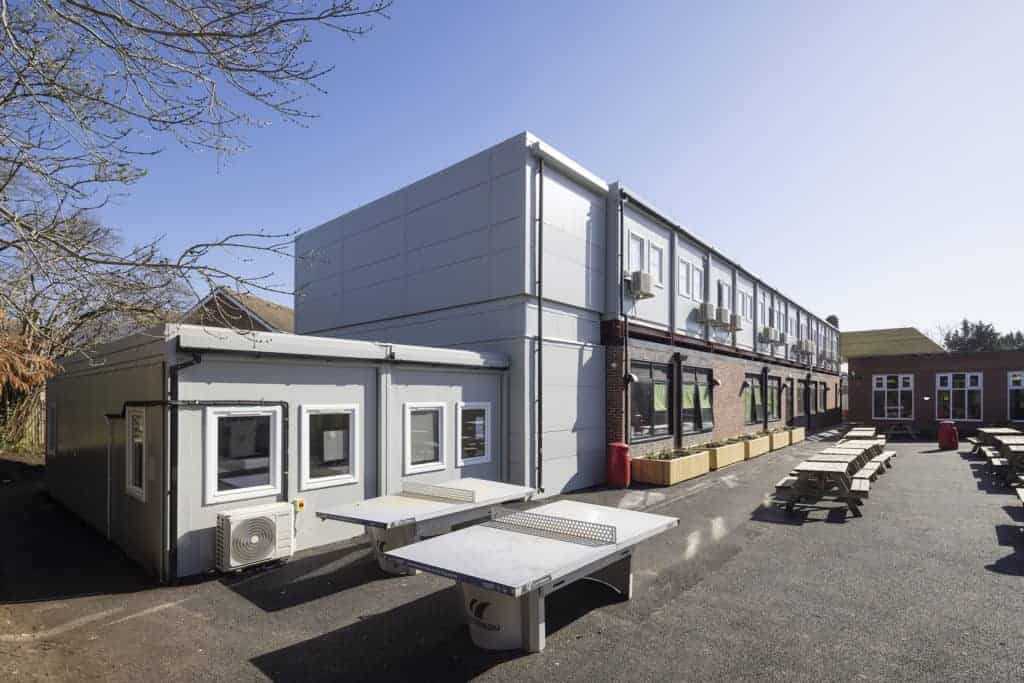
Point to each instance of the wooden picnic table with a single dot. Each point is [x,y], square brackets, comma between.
[862,431]
[823,480]
[989,434]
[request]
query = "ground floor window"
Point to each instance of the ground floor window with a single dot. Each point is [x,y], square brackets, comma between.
[243,452]
[697,412]
[135,453]
[649,400]
[958,396]
[330,451]
[1015,382]
[812,388]
[773,399]
[753,400]
[893,397]
[474,433]
[424,437]
[823,396]
[801,399]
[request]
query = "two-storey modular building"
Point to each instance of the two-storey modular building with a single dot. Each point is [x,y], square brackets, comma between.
[619,323]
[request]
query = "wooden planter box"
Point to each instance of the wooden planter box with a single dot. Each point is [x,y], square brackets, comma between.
[668,472]
[727,455]
[797,434]
[779,440]
[758,446]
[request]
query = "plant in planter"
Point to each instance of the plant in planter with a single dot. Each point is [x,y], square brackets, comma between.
[757,444]
[779,438]
[727,452]
[671,466]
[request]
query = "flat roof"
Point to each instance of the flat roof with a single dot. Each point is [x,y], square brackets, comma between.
[201,338]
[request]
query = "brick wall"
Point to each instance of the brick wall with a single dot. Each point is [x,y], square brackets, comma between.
[729,370]
[994,367]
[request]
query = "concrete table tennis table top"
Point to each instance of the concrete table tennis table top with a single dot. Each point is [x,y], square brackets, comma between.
[514,562]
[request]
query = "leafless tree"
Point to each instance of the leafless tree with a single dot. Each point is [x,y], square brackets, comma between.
[89,91]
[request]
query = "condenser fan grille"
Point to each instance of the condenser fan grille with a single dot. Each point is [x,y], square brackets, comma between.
[253,539]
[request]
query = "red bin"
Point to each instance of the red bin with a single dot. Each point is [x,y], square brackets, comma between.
[618,465]
[949,436]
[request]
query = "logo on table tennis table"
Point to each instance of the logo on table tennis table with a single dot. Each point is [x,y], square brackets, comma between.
[477,608]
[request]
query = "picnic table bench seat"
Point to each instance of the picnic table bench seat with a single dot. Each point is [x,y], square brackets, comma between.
[885,458]
[786,483]
[1020,494]
[869,471]
[860,487]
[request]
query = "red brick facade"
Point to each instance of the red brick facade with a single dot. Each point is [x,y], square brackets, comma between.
[994,366]
[729,369]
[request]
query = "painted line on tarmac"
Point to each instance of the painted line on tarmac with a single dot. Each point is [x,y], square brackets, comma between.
[150,610]
[58,630]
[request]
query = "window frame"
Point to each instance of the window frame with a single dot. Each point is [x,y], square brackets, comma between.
[684,278]
[1009,391]
[725,295]
[709,375]
[750,416]
[635,437]
[900,376]
[210,456]
[136,492]
[642,252]
[461,460]
[408,467]
[659,277]
[698,282]
[778,398]
[306,480]
[966,389]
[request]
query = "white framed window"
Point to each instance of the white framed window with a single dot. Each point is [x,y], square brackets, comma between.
[747,306]
[636,253]
[724,295]
[51,429]
[135,453]
[473,433]
[243,452]
[424,437]
[685,277]
[656,262]
[1015,395]
[958,396]
[892,397]
[698,283]
[331,448]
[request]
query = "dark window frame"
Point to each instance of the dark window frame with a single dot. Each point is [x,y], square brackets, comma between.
[699,377]
[753,400]
[773,390]
[637,368]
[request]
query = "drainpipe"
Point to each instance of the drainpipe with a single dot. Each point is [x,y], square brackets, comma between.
[625,320]
[540,324]
[764,396]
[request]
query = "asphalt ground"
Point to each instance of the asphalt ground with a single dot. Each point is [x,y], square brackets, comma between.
[927,585]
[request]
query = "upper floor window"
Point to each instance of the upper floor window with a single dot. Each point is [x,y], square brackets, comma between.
[724,295]
[636,253]
[747,306]
[892,397]
[685,277]
[958,396]
[657,266]
[698,283]
[1015,384]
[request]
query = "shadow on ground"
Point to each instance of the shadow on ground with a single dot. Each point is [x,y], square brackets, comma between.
[1013,564]
[425,640]
[49,554]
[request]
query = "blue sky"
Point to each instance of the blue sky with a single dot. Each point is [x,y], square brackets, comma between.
[866,159]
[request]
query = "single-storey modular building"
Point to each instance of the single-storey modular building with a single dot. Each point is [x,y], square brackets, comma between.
[155,434]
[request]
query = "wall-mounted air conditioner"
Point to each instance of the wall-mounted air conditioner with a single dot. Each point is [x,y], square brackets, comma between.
[722,316]
[254,535]
[707,313]
[736,322]
[641,285]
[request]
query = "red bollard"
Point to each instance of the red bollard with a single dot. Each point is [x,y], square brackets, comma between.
[618,465]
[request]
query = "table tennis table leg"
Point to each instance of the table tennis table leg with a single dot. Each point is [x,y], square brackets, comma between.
[533,621]
[389,539]
[618,575]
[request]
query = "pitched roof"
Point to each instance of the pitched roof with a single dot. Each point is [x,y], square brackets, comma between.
[889,342]
[225,307]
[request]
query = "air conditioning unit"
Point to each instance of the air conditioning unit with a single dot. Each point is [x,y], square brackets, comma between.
[641,285]
[770,335]
[707,313]
[253,535]
[722,316]
[782,338]
[736,322]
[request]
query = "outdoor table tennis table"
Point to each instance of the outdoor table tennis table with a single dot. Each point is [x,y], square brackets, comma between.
[421,510]
[506,568]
